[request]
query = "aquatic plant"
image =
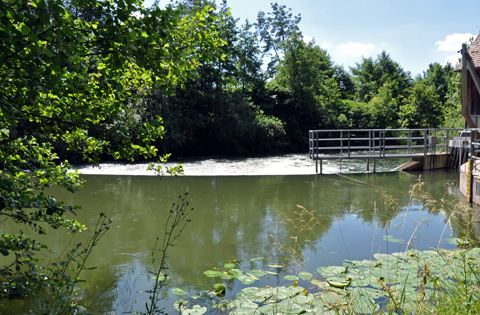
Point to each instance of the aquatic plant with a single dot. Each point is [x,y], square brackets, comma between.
[409,281]
[175,223]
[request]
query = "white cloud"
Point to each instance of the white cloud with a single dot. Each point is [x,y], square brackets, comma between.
[453,59]
[453,42]
[355,49]
[326,45]
[308,39]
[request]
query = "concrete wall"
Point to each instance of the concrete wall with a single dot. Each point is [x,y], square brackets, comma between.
[437,161]
[464,182]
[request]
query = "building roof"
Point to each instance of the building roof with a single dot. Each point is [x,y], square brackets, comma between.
[474,52]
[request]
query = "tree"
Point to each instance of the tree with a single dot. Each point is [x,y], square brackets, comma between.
[306,93]
[275,29]
[68,70]
[438,76]
[423,108]
[370,75]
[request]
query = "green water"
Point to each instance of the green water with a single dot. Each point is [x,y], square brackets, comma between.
[243,217]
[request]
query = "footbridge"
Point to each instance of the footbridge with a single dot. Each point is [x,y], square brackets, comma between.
[426,148]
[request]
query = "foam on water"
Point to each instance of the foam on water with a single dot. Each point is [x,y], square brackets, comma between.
[289,164]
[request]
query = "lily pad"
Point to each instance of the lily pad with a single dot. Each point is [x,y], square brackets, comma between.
[236,272]
[246,279]
[178,291]
[213,273]
[257,273]
[229,265]
[291,278]
[392,239]
[327,271]
[195,310]
[275,266]
[305,275]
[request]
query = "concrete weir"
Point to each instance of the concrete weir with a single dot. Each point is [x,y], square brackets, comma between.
[428,162]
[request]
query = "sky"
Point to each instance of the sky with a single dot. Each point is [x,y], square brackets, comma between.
[415,33]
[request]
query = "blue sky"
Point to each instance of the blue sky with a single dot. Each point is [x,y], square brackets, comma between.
[414,32]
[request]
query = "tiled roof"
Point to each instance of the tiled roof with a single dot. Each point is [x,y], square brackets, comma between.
[474,51]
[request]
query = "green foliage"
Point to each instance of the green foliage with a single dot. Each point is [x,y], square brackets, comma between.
[370,75]
[276,28]
[306,92]
[222,108]
[384,108]
[422,109]
[62,277]
[68,71]
[439,76]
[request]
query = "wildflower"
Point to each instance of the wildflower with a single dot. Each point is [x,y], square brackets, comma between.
[410,242]
[411,254]
[295,283]
[267,277]
[267,287]
[305,291]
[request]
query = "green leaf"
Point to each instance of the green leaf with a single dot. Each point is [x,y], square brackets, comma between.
[229,265]
[178,291]
[25,29]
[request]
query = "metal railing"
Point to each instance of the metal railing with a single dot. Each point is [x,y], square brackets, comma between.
[379,143]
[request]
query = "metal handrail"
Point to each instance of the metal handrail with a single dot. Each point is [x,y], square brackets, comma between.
[375,143]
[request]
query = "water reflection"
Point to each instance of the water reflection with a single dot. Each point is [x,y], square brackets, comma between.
[341,217]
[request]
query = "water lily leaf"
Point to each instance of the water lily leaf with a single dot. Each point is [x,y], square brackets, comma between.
[246,279]
[360,282]
[271,272]
[226,276]
[364,306]
[289,306]
[291,278]
[161,277]
[321,284]
[257,258]
[275,266]
[332,298]
[458,241]
[195,310]
[178,291]
[213,273]
[236,272]
[219,289]
[385,258]
[339,284]
[257,273]
[251,290]
[305,275]
[391,239]
[327,271]
[229,265]
[180,305]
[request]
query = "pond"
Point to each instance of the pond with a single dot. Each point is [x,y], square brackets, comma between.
[301,222]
